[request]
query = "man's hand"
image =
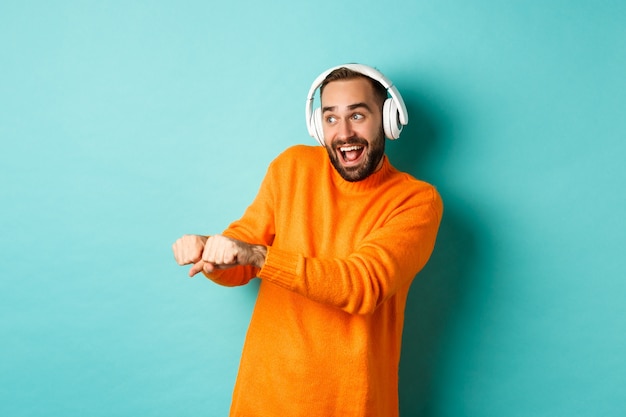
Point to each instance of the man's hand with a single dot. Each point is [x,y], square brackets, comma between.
[216,252]
[188,249]
[221,252]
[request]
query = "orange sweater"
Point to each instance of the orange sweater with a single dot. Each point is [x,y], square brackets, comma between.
[325,334]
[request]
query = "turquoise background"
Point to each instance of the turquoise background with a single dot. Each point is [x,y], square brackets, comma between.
[127,124]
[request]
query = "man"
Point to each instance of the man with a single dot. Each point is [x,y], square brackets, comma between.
[336,235]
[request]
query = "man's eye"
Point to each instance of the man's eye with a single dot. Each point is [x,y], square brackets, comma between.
[357,116]
[331,119]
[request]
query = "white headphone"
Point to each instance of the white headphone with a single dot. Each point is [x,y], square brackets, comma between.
[395,116]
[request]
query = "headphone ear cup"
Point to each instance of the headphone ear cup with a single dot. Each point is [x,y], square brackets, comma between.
[391,119]
[316,123]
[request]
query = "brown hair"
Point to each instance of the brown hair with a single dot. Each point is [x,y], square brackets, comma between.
[343,73]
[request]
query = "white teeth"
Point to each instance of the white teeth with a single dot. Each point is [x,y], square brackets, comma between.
[350,148]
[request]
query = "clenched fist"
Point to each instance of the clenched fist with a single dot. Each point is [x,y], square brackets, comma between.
[188,249]
[216,252]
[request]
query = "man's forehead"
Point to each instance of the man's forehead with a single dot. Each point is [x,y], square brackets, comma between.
[347,92]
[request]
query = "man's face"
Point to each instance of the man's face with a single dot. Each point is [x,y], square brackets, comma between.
[352,123]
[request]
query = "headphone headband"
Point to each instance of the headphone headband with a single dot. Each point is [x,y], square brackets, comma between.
[397,107]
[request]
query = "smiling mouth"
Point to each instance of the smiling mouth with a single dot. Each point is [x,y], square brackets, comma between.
[351,154]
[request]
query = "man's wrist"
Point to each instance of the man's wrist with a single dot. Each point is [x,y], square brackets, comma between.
[259,253]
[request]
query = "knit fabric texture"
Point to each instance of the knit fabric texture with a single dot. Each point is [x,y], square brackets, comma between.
[325,334]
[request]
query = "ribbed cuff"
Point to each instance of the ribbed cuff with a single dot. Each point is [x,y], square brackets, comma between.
[281,267]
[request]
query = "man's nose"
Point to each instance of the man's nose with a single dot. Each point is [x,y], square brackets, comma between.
[345,129]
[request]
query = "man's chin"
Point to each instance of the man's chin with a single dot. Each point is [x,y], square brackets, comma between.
[360,169]
[351,173]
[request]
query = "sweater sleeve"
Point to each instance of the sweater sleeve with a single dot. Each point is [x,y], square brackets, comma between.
[387,259]
[257,227]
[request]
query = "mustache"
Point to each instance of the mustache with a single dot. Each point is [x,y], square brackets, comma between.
[351,141]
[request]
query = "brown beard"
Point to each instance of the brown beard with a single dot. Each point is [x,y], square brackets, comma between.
[374,153]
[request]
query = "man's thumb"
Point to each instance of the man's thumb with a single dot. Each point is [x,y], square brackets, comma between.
[197,267]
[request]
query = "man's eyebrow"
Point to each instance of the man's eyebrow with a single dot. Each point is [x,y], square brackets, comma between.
[350,107]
